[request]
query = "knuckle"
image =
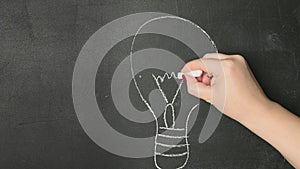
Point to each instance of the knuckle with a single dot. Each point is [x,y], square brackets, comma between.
[214,55]
[240,58]
[207,55]
[229,63]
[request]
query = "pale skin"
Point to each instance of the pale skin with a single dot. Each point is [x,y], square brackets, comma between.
[245,101]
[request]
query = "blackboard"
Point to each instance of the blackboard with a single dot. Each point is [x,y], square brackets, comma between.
[41,40]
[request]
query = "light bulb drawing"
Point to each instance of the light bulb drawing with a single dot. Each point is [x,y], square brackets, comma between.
[166,135]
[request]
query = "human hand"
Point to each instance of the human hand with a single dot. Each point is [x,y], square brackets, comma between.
[227,83]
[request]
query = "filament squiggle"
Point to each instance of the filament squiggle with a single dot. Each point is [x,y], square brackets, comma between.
[166,75]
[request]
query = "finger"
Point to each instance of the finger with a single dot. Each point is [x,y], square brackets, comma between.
[196,64]
[198,89]
[210,65]
[206,79]
[199,79]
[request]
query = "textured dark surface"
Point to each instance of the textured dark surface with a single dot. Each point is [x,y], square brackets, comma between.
[39,44]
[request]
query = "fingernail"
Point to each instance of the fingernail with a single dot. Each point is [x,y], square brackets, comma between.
[183,78]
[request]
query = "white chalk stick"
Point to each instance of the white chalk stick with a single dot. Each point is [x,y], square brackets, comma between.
[195,73]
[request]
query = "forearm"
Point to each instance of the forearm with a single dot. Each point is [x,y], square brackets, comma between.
[278,127]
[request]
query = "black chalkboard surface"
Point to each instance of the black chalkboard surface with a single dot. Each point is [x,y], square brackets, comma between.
[41,40]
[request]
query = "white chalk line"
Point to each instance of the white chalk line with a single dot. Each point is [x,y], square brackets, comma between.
[172,155]
[172,145]
[160,89]
[172,113]
[166,75]
[162,78]
[170,136]
[177,91]
[175,129]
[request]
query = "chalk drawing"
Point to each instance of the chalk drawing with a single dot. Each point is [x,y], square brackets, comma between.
[169,128]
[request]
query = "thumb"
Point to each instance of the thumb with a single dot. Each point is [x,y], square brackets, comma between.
[198,89]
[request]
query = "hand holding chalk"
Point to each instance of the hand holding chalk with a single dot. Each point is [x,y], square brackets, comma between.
[195,73]
[239,83]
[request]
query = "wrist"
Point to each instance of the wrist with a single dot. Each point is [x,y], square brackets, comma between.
[254,113]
